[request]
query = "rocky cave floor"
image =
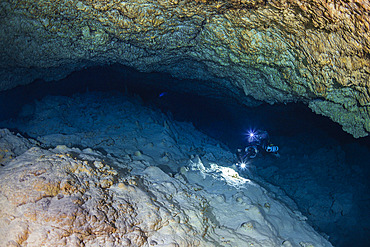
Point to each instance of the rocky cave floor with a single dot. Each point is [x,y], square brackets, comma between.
[319,172]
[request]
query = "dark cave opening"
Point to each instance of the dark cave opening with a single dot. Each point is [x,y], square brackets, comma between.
[308,142]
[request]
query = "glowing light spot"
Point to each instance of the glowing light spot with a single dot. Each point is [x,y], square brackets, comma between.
[243,166]
[251,135]
[227,174]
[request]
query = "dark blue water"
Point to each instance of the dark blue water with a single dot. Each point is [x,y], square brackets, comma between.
[309,143]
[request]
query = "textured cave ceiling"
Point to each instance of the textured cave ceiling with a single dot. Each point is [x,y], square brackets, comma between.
[316,52]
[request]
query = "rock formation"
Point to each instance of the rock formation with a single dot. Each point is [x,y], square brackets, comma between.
[71,197]
[317,52]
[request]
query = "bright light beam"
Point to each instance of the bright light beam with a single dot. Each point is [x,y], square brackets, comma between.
[251,135]
[243,166]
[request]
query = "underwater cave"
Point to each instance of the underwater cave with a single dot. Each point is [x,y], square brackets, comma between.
[321,170]
[184,123]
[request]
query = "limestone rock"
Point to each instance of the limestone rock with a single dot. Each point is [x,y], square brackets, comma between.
[52,198]
[275,51]
[68,197]
[11,146]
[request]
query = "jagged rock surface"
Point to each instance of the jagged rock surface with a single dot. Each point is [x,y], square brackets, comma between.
[12,146]
[68,197]
[55,199]
[276,51]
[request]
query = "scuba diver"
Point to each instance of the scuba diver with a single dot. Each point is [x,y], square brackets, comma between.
[258,141]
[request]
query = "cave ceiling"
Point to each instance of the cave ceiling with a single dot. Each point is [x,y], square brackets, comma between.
[316,52]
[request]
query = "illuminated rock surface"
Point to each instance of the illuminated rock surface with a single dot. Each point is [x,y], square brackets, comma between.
[276,51]
[131,137]
[69,197]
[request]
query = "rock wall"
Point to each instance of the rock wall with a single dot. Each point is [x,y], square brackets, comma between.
[317,52]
